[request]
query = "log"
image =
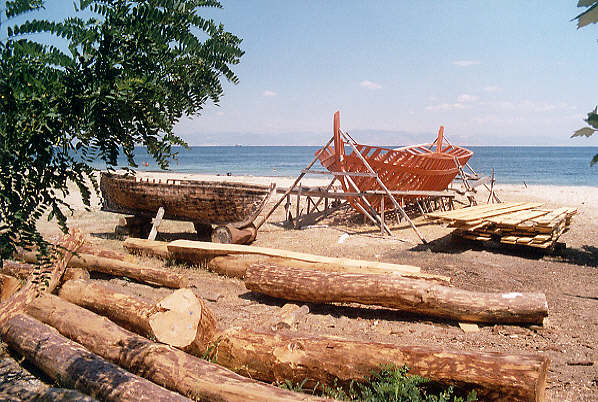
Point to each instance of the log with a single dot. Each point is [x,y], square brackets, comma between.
[94,249]
[228,234]
[276,357]
[235,265]
[73,366]
[22,270]
[147,319]
[422,297]
[74,274]
[45,280]
[151,248]
[149,275]
[191,376]
[18,384]
[8,286]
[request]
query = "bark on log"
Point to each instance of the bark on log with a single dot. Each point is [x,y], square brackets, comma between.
[397,292]
[43,281]
[175,369]
[142,317]
[228,234]
[18,384]
[20,270]
[235,265]
[275,357]
[94,249]
[147,247]
[8,286]
[153,276]
[65,361]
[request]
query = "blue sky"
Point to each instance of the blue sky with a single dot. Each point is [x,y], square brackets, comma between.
[492,72]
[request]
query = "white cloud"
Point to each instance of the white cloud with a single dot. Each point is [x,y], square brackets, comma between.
[491,88]
[370,85]
[465,63]
[464,98]
[445,106]
[269,93]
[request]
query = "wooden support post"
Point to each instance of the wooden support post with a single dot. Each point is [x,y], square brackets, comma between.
[290,189]
[382,216]
[298,206]
[156,225]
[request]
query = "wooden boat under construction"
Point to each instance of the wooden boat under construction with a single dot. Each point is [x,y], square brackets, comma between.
[416,168]
[201,202]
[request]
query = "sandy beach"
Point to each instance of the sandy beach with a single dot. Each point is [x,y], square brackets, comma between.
[568,280]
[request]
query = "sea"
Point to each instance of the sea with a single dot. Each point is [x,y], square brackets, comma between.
[562,166]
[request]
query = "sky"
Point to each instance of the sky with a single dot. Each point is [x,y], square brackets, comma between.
[505,72]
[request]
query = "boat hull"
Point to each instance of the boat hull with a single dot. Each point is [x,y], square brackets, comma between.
[207,202]
[424,167]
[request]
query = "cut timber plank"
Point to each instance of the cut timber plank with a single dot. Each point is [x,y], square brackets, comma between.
[458,213]
[203,249]
[516,218]
[490,213]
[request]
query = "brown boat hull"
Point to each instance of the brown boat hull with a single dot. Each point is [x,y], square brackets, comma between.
[207,202]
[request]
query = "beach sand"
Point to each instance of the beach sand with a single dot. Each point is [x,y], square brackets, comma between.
[568,280]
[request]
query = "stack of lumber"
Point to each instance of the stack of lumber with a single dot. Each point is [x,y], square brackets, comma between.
[522,223]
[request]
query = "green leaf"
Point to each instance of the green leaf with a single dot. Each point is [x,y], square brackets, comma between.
[594,160]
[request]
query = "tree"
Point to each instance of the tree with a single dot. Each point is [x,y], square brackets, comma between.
[589,16]
[131,71]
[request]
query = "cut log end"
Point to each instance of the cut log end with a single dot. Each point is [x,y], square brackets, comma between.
[228,234]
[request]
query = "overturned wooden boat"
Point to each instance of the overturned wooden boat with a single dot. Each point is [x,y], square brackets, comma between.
[220,203]
[416,168]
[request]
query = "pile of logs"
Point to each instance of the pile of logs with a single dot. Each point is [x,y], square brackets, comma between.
[116,346]
[522,223]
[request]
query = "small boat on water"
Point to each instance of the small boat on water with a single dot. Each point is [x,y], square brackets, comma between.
[422,167]
[203,202]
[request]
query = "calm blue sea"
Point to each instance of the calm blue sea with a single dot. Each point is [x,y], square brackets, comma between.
[534,165]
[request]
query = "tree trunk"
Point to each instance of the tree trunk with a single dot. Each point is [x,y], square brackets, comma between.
[229,234]
[94,249]
[146,247]
[8,286]
[45,280]
[73,366]
[187,311]
[417,296]
[18,384]
[196,252]
[20,270]
[235,265]
[154,276]
[275,357]
[175,369]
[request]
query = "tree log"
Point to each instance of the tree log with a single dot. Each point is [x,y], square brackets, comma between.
[147,319]
[397,292]
[275,357]
[18,384]
[174,369]
[74,366]
[153,276]
[236,265]
[43,281]
[8,286]
[94,249]
[20,270]
[151,248]
[229,234]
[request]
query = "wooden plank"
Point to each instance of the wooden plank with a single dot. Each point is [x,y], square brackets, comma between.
[457,213]
[156,225]
[212,249]
[488,214]
[516,218]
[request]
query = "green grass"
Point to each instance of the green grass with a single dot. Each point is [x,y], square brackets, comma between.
[389,384]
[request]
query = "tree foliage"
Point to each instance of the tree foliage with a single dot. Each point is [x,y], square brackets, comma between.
[589,16]
[131,71]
